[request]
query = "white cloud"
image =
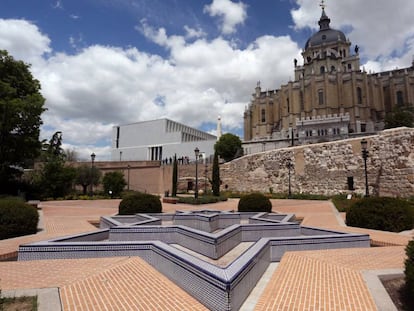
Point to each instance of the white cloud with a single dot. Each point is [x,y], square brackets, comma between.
[58,5]
[194,33]
[23,40]
[231,13]
[101,86]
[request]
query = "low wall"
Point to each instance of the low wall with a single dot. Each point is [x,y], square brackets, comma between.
[330,168]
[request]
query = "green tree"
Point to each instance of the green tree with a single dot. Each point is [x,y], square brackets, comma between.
[401,116]
[409,269]
[175,177]
[56,178]
[87,175]
[228,146]
[21,105]
[114,182]
[215,178]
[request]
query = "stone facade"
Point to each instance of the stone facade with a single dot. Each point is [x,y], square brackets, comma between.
[331,98]
[330,168]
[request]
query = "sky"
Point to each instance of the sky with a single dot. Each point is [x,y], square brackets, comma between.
[103,63]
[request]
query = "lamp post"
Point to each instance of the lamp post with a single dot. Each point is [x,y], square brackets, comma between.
[205,177]
[93,155]
[364,148]
[289,166]
[129,167]
[196,152]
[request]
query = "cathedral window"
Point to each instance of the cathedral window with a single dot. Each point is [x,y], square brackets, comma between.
[400,98]
[359,95]
[322,70]
[263,115]
[302,103]
[321,98]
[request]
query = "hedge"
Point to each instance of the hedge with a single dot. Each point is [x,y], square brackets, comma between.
[140,203]
[17,218]
[386,214]
[254,202]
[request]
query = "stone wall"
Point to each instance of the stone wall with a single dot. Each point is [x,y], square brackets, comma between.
[326,168]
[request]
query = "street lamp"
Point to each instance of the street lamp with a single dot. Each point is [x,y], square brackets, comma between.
[93,155]
[289,166]
[196,152]
[205,177]
[129,167]
[364,147]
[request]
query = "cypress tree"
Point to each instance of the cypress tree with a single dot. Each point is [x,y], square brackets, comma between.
[216,175]
[175,177]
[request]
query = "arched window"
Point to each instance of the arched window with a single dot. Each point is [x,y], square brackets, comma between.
[288,105]
[321,98]
[263,115]
[359,95]
[333,69]
[322,70]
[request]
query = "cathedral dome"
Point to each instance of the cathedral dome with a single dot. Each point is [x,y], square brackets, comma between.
[326,34]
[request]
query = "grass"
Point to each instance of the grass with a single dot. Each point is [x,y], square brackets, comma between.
[24,303]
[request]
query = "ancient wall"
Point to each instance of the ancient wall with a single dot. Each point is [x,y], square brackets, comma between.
[327,168]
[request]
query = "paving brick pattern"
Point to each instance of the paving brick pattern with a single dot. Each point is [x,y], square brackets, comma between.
[131,285]
[304,283]
[311,280]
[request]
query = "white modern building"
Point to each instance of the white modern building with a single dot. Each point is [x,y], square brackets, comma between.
[159,140]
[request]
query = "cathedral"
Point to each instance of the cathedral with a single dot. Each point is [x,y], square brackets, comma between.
[330,98]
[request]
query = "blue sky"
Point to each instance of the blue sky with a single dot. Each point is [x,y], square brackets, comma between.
[108,62]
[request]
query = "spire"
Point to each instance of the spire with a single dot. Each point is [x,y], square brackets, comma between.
[324,21]
[218,127]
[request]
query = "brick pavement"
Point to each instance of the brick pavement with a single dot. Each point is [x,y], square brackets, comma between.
[317,280]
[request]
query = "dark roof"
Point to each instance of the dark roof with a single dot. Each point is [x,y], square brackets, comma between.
[326,34]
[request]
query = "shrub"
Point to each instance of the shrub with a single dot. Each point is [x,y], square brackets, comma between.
[409,269]
[205,199]
[387,214]
[254,202]
[140,203]
[17,218]
[342,203]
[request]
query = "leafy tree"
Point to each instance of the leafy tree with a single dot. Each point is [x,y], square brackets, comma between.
[228,146]
[86,175]
[115,182]
[401,116]
[175,177]
[56,178]
[21,105]
[216,175]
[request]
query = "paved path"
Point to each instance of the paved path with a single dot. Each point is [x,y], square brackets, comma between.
[317,280]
